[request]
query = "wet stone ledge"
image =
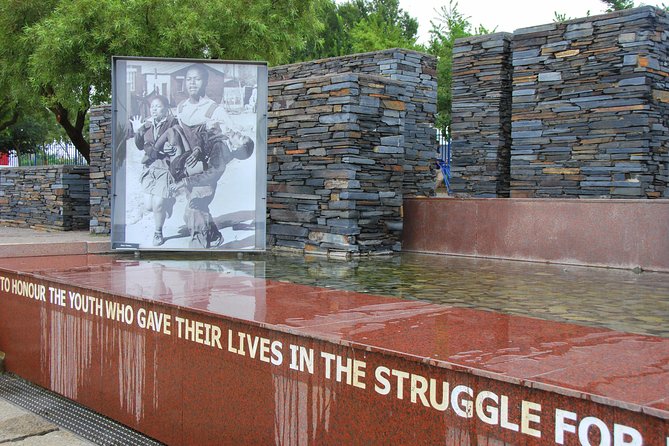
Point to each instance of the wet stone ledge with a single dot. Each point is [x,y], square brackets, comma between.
[273,351]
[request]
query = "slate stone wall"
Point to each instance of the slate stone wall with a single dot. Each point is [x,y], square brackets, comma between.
[45,197]
[101,169]
[589,109]
[417,75]
[656,67]
[583,126]
[481,116]
[336,163]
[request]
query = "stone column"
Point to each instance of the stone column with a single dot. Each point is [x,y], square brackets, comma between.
[100,169]
[481,116]
[336,164]
[417,76]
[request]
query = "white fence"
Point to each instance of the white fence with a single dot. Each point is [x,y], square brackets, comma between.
[52,154]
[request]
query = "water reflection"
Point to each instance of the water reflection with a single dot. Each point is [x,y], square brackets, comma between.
[617,299]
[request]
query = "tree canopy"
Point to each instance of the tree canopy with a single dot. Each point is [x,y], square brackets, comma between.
[450,24]
[29,133]
[383,25]
[618,5]
[57,53]
[358,26]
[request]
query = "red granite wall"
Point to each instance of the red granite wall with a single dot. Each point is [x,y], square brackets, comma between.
[327,368]
[611,233]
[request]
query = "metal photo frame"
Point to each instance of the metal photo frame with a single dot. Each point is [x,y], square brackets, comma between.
[189,154]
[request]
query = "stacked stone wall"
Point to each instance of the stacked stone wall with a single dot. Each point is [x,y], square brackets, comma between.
[418,76]
[588,115]
[657,68]
[481,116]
[101,169]
[582,125]
[336,164]
[45,197]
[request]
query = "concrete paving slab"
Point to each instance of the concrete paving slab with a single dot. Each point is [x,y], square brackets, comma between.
[31,415]
[9,410]
[22,428]
[27,242]
[55,438]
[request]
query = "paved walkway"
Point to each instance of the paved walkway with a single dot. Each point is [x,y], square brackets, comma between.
[32,415]
[23,428]
[20,426]
[23,242]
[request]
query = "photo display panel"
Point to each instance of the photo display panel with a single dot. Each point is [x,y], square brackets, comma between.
[189,154]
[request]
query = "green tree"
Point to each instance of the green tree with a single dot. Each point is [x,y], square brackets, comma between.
[448,26]
[330,41]
[59,51]
[618,5]
[9,113]
[30,132]
[23,136]
[384,25]
[360,26]
[17,99]
[10,106]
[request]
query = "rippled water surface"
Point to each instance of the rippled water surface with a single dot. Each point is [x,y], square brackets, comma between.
[618,299]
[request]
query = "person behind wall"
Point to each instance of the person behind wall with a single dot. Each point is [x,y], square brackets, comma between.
[151,137]
[197,173]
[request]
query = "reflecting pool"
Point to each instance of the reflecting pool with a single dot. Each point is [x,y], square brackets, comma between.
[617,299]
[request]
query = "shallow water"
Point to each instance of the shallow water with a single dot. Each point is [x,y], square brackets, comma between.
[617,299]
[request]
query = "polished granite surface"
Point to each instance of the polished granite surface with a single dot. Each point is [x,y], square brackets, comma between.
[629,370]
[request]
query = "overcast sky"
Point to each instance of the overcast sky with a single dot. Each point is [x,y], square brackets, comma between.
[506,15]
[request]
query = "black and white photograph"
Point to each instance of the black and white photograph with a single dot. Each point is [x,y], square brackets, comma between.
[189,155]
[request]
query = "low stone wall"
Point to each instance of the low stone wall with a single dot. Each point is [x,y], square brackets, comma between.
[611,233]
[45,197]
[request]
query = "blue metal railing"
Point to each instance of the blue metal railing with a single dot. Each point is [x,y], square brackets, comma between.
[444,159]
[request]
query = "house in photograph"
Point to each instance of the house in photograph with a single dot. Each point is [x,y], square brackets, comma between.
[231,85]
